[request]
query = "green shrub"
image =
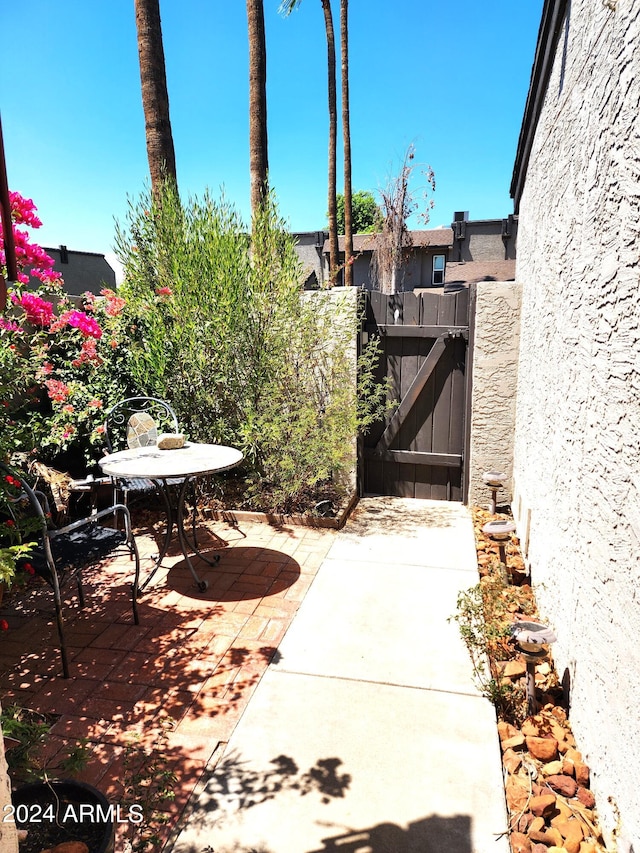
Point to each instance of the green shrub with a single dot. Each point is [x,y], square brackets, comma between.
[220,326]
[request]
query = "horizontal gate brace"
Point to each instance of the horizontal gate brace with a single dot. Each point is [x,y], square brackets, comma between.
[410,331]
[408,401]
[415,457]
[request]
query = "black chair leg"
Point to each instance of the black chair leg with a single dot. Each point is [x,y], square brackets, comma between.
[80,590]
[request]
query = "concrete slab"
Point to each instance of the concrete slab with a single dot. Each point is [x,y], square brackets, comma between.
[366,734]
[409,531]
[373,622]
[403,773]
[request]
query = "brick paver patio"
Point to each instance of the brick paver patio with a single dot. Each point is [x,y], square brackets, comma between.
[194,657]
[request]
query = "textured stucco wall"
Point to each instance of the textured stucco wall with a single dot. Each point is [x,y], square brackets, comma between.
[493,390]
[577,450]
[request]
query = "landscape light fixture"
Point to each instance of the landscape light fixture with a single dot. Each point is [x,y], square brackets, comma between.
[500,531]
[532,640]
[495,480]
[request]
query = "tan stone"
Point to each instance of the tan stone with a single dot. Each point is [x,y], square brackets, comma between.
[530,727]
[541,836]
[571,830]
[558,840]
[520,843]
[516,794]
[514,669]
[552,768]
[511,760]
[537,823]
[542,805]
[573,755]
[506,730]
[564,785]
[542,748]
[539,848]
[571,846]
[513,742]
[564,813]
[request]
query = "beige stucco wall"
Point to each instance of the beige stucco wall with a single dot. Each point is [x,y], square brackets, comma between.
[493,390]
[577,449]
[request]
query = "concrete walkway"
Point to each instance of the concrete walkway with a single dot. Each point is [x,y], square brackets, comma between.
[366,734]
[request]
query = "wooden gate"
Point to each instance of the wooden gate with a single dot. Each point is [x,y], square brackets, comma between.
[419,450]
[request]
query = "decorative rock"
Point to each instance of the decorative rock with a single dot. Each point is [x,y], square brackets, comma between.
[542,748]
[514,669]
[511,760]
[68,847]
[539,848]
[524,822]
[516,794]
[513,742]
[506,730]
[586,797]
[581,773]
[542,805]
[571,830]
[520,843]
[553,768]
[537,824]
[564,785]
[542,837]
[530,728]
[170,441]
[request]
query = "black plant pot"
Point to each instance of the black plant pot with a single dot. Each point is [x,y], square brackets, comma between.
[59,811]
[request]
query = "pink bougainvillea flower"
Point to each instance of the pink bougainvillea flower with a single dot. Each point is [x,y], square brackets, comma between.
[57,391]
[69,409]
[95,403]
[114,303]
[88,354]
[10,523]
[38,311]
[164,291]
[86,325]
[10,326]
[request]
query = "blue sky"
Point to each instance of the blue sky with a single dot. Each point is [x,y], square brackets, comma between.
[449,78]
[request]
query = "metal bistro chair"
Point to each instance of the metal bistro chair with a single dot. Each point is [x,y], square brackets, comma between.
[61,553]
[136,422]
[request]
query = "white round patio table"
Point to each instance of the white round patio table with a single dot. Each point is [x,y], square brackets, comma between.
[185,463]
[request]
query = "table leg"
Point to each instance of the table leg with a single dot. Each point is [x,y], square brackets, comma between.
[163,490]
[187,546]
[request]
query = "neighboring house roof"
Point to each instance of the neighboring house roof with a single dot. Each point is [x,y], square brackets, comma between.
[553,15]
[467,272]
[437,238]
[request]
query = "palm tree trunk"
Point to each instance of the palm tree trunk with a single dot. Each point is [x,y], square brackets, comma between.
[155,97]
[346,144]
[258,154]
[333,124]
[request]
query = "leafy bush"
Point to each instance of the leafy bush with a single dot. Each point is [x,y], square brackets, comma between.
[221,328]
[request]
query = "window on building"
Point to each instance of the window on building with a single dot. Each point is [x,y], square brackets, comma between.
[438,269]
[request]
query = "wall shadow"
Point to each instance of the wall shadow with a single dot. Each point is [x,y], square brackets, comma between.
[432,834]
